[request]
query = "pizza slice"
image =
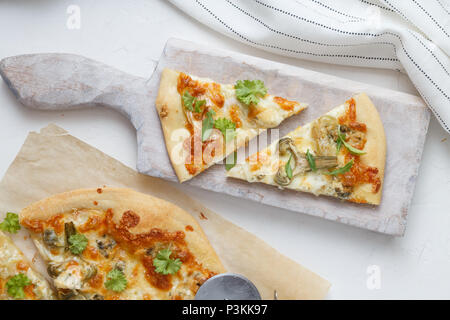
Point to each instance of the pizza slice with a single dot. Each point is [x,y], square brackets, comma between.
[204,121]
[341,154]
[120,244]
[18,279]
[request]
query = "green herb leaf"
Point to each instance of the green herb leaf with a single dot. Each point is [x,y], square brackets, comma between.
[229,165]
[188,100]
[341,170]
[227,127]
[250,91]
[207,125]
[15,286]
[164,265]
[116,280]
[191,103]
[77,243]
[288,168]
[352,149]
[199,105]
[311,160]
[341,141]
[11,223]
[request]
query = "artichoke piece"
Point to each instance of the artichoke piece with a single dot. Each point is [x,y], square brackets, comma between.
[286,145]
[91,271]
[54,270]
[69,230]
[325,134]
[66,294]
[50,238]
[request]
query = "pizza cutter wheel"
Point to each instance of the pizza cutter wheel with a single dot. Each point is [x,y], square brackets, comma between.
[228,286]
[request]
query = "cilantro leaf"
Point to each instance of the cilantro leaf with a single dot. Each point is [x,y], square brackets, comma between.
[164,265]
[288,168]
[15,286]
[207,125]
[229,165]
[341,141]
[250,91]
[77,243]
[199,105]
[227,127]
[191,103]
[11,223]
[311,160]
[188,100]
[341,170]
[116,280]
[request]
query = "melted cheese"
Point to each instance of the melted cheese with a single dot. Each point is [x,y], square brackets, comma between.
[312,182]
[10,259]
[268,113]
[74,270]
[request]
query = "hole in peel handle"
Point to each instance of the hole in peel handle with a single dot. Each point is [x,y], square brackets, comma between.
[228,286]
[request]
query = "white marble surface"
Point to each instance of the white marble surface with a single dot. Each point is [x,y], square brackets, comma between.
[130,36]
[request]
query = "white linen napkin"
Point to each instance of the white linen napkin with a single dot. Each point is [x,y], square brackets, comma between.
[411,36]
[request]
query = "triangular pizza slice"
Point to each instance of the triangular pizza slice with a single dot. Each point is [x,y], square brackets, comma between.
[204,121]
[341,154]
[18,278]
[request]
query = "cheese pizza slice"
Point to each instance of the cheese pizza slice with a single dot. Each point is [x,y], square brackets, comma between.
[18,279]
[341,154]
[204,121]
[120,244]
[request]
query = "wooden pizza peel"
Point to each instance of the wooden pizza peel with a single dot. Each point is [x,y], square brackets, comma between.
[57,81]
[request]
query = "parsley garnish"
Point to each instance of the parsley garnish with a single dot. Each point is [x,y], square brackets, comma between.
[207,125]
[228,164]
[116,281]
[288,168]
[164,265]
[11,223]
[15,286]
[227,127]
[311,160]
[341,141]
[77,243]
[250,91]
[341,170]
[191,103]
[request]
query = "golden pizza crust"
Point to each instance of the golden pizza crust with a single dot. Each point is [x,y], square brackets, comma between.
[375,147]
[153,213]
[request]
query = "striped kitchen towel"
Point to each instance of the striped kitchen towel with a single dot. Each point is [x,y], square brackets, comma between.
[412,36]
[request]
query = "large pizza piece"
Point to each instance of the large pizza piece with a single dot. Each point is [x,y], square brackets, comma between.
[204,121]
[341,154]
[120,244]
[18,279]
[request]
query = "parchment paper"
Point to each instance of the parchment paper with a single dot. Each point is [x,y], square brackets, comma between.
[53,161]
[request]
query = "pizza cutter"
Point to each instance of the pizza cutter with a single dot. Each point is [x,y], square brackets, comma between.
[228,286]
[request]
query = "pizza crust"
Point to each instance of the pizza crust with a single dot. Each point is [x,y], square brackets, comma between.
[170,110]
[153,213]
[375,147]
